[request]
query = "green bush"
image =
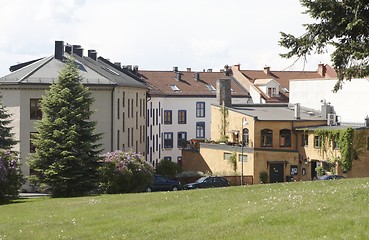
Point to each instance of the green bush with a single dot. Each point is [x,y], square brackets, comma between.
[167,168]
[263,177]
[124,172]
[11,178]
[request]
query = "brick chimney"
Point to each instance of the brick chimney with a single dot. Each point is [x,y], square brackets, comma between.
[322,69]
[267,70]
[224,92]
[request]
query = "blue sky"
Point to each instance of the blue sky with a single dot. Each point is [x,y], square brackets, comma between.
[156,35]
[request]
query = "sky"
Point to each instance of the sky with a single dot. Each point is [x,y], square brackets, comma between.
[156,34]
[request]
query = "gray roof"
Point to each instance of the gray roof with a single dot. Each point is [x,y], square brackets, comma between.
[47,70]
[333,127]
[277,112]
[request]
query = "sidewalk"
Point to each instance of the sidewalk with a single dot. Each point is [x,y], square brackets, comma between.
[32,195]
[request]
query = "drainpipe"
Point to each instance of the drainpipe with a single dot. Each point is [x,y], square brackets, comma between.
[112,120]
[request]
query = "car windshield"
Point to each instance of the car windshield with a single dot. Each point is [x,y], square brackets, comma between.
[200,180]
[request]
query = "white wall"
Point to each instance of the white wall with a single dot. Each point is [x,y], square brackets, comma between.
[350,103]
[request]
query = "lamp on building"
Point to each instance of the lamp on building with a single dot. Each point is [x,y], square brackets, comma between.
[244,123]
[307,161]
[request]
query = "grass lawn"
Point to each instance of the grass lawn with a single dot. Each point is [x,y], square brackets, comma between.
[304,210]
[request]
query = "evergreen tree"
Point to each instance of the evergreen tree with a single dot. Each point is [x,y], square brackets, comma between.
[341,24]
[7,140]
[67,152]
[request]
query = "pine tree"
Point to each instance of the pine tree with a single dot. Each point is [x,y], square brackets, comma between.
[7,140]
[67,152]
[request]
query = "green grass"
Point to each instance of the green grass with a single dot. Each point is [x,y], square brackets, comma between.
[304,210]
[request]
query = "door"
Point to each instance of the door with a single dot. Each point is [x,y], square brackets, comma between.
[276,172]
[313,171]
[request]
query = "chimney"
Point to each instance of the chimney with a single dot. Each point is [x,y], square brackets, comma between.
[267,70]
[210,70]
[117,64]
[188,69]
[367,121]
[227,70]
[78,50]
[297,111]
[326,108]
[92,54]
[322,69]
[224,92]
[178,76]
[196,76]
[135,69]
[175,69]
[68,48]
[237,66]
[59,50]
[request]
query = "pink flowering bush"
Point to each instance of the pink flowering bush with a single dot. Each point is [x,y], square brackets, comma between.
[124,172]
[11,178]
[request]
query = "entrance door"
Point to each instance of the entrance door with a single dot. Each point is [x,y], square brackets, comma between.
[313,171]
[276,172]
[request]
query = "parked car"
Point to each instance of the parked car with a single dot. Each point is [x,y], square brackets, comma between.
[161,183]
[330,177]
[208,182]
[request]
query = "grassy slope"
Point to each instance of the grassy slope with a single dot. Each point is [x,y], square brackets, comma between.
[303,210]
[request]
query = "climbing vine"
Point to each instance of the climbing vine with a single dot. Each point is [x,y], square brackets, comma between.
[224,123]
[232,160]
[344,138]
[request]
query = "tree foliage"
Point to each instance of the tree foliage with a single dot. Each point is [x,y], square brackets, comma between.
[67,152]
[167,168]
[341,24]
[7,140]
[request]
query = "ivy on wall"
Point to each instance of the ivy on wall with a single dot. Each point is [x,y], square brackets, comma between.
[223,124]
[345,140]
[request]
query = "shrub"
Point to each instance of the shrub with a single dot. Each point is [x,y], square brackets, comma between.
[124,172]
[263,177]
[167,168]
[11,178]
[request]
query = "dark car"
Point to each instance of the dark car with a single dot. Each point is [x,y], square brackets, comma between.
[208,182]
[330,177]
[161,183]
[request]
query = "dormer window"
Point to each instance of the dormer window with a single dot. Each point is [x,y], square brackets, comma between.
[211,87]
[272,92]
[175,88]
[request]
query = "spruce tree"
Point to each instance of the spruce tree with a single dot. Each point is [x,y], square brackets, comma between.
[7,140]
[67,152]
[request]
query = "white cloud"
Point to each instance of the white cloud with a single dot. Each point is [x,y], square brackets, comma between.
[153,34]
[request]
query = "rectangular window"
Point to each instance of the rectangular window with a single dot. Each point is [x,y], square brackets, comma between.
[132,136]
[168,140]
[132,108]
[181,116]
[200,109]
[124,122]
[129,109]
[242,158]
[168,158]
[136,99]
[168,117]
[35,109]
[118,108]
[32,147]
[182,139]
[118,139]
[128,137]
[317,142]
[200,130]
[226,156]
[136,120]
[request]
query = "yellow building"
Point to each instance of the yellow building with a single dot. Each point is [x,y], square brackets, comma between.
[270,143]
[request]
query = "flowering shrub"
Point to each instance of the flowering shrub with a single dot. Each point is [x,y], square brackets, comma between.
[11,178]
[124,172]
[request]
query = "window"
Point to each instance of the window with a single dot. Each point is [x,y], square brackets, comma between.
[200,109]
[242,158]
[129,109]
[35,109]
[174,88]
[227,155]
[200,130]
[167,117]
[245,136]
[285,138]
[118,108]
[211,87]
[32,147]
[168,140]
[266,138]
[304,140]
[181,116]
[168,158]
[272,92]
[182,139]
[317,142]
[367,144]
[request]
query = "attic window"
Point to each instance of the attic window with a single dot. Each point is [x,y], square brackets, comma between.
[174,88]
[285,89]
[211,87]
[111,71]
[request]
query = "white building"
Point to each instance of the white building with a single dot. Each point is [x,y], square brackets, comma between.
[350,103]
[120,99]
